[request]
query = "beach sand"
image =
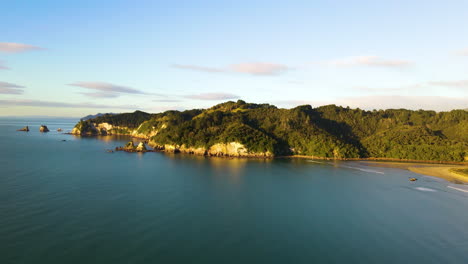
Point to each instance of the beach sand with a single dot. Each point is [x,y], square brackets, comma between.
[435,170]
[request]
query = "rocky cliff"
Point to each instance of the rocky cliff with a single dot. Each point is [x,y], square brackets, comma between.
[242,129]
[231,149]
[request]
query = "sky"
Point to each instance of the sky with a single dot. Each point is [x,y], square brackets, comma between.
[74,58]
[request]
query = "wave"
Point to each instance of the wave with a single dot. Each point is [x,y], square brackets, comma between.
[458,189]
[313,161]
[424,189]
[365,170]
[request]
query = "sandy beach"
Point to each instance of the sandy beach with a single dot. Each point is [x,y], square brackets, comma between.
[435,170]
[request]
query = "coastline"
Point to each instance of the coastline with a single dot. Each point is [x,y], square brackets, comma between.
[440,169]
[383,160]
[443,171]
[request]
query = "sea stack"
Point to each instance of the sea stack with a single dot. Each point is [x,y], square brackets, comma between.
[26,129]
[129,146]
[43,128]
[141,147]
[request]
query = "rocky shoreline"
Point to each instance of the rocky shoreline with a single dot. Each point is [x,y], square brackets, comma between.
[217,151]
[220,149]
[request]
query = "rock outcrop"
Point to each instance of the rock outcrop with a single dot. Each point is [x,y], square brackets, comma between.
[130,147]
[25,129]
[43,128]
[231,149]
[141,147]
[85,128]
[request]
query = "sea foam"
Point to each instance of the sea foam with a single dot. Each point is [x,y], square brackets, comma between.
[424,189]
[364,170]
[458,189]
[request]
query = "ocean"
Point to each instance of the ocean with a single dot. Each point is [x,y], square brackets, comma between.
[65,199]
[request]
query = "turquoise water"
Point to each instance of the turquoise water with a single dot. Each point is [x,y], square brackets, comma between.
[72,202]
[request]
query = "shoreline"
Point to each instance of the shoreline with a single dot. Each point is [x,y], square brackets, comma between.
[301,156]
[443,171]
[382,160]
[440,169]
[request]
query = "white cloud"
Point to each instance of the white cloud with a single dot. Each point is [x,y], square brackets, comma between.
[260,68]
[10,47]
[106,90]
[2,66]
[463,52]
[10,88]
[51,104]
[454,84]
[101,95]
[255,68]
[197,68]
[371,61]
[437,103]
[213,96]
[167,100]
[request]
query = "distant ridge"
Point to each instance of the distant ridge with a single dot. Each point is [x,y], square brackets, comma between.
[96,115]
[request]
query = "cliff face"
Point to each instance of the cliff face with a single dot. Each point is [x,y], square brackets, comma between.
[235,149]
[93,129]
[98,129]
[231,149]
[86,128]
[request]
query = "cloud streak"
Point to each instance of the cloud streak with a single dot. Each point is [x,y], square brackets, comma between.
[370,61]
[454,84]
[51,104]
[437,103]
[254,68]
[105,90]
[10,88]
[212,96]
[2,66]
[10,47]
[101,95]
[463,52]
[167,100]
[197,68]
[260,68]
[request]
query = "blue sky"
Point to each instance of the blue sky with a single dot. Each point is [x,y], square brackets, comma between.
[72,58]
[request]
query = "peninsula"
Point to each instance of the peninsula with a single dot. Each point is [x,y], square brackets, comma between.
[262,130]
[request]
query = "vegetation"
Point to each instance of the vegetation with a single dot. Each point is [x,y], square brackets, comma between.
[462,172]
[130,120]
[328,131]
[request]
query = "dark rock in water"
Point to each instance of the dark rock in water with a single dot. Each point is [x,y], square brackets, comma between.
[130,147]
[64,140]
[59,130]
[26,129]
[43,128]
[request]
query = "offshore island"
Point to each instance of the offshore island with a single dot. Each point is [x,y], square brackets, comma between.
[240,129]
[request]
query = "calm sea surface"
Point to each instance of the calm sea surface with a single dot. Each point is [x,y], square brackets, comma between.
[72,202]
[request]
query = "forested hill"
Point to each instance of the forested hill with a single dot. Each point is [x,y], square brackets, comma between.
[328,131]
